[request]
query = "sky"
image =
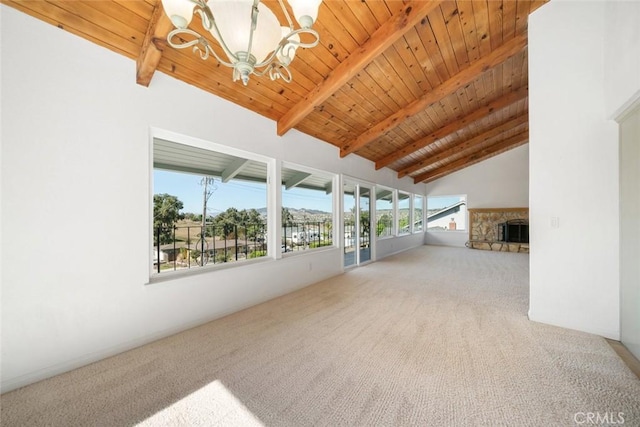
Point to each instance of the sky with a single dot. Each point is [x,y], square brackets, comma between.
[247,195]
[238,194]
[443,201]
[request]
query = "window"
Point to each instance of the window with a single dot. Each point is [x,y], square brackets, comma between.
[447,213]
[404,213]
[210,207]
[418,208]
[307,209]
[384,212]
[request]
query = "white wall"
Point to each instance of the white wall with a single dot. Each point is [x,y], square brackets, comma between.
[630,232]
[499,182]
[390,246]
[76,170]
[621,56]
[622,82]
[574,172]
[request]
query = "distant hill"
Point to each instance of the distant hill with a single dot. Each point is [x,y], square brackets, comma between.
[297,212]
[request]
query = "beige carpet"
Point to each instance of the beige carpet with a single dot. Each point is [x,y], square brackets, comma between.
[431,337]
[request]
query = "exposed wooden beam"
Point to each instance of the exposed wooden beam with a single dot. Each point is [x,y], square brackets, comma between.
[296,179]
[233,169]
[459,80]
[478,156]
[464,145]
[151,52]
[380,40]
[493,106]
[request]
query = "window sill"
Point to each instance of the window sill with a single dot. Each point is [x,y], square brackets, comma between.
[307,251]
[181,274]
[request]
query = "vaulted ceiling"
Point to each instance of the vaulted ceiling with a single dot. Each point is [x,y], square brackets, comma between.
[425,88]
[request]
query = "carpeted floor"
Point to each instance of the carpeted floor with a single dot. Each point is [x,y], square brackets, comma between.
[431,337]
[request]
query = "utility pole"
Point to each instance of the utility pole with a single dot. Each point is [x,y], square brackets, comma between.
[209,188]
[207,183]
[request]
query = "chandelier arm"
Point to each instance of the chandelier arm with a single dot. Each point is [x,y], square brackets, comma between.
[311,31]
[200,44]
[209,23]
[280,71]
[254,24]
[269,58]
[276,70]
[286,14]
[259,73]
[287,40]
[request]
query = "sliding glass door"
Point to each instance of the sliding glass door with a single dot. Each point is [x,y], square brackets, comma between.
[349,224]
[356,223]
[364,220]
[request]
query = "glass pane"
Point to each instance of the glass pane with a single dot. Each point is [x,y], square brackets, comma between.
[384,212]
[365,224]
[447,213]
[404,213]
[349,223]
[200,221]
[417,213]
[307,210]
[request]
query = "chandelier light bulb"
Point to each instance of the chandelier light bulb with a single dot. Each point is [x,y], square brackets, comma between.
[180,12]
[305,11]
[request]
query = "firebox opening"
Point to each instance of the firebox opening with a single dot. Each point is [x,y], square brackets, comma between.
[516,231]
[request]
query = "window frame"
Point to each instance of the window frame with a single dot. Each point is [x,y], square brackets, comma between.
[393,231]
[275,194]
[414,217]
[193,142]
[334,205]
[409,199]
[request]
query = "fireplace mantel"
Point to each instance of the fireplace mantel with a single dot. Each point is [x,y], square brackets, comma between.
[484,226]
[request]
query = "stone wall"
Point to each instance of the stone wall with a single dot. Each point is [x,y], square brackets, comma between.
[483,228]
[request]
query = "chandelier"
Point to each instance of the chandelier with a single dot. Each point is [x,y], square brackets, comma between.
[251,46]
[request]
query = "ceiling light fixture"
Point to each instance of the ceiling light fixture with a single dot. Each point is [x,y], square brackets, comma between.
[251,46]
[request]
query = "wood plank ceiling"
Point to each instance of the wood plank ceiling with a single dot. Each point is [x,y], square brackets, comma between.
[425,88]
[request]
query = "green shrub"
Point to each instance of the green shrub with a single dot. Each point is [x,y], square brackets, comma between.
[257,254]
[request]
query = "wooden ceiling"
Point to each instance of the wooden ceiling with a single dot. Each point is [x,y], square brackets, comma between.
[425,88]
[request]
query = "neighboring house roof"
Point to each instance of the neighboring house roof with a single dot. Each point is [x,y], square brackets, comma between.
[445,211]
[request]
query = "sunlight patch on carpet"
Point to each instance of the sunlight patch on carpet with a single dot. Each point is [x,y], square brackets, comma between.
[211,405]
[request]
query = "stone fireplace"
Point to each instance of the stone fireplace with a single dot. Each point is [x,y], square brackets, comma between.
[499,229]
